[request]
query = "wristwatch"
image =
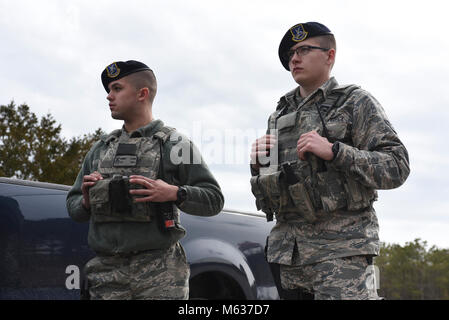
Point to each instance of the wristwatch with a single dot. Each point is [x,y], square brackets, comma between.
[335,148]
[181,195]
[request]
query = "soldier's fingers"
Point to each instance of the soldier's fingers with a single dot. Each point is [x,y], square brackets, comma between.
[306,145]
[270,139]
[141,181]
[307,138]
[92,177]
[308,135]
[301,154]
[140,192]
[260,154]
[87,184]
[301,150]
[89,178]
[263,146]
[254,155]
[301,142]
[140,177]
[97,175]
[143,199]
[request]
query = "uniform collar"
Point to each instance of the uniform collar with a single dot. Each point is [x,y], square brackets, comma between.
[328,86]
[323,91]
[146,131]
[319,94]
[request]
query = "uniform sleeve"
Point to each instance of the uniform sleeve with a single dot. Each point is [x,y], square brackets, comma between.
[186,165]
[75,196]
[377,159]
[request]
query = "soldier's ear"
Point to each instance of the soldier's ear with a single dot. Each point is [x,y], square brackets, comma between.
[331,56]
[143,94]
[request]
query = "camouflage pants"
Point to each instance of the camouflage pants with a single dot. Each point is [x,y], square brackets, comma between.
[155,274]
[349,278]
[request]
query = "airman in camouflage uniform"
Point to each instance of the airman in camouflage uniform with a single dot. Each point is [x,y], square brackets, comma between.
[130,187]
[328,148]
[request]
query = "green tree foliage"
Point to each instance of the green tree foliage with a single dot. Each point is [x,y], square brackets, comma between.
[33,149]
[413,272]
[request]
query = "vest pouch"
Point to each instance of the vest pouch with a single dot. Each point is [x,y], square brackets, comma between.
[267,185]
[110,202]
[140,212]
[260,204]
[260,201]
[331,187]
[302,201]
[178,231]
[359,197]
[286,122]
[99,199]
[119,196]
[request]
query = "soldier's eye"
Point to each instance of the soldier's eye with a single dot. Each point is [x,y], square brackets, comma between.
[303,50]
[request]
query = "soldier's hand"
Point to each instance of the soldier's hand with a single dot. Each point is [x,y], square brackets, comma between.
[89,181]
[260,150]
[316,144]
[154,190]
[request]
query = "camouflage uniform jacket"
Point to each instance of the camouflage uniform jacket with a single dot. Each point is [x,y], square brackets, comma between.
[370,156]
[204,197]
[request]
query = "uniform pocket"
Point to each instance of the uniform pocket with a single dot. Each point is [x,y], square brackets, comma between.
[359,196]
[332,191]
[302,201]
[337,130]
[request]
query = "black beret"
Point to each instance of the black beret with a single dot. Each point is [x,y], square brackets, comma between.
[298,33]
[120,69]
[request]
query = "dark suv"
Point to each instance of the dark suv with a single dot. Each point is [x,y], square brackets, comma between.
[43,252]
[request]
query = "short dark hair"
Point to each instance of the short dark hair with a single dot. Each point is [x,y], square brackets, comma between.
[144,79]
[327,41]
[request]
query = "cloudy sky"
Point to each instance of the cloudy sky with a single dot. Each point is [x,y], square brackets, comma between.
[219,77]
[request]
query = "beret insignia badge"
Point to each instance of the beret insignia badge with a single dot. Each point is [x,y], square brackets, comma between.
[112,70]
[298,33]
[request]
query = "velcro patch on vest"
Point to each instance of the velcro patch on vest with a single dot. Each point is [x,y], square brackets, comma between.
[125,161]
[126,155]
[126,148]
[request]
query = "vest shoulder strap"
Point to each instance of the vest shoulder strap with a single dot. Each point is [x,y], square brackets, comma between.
[106,138]
[339,95]
[164,133]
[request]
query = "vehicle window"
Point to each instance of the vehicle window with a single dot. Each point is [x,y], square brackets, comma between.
[38,241]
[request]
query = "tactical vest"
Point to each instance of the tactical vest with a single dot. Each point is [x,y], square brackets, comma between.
[310,188]
[134,156]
